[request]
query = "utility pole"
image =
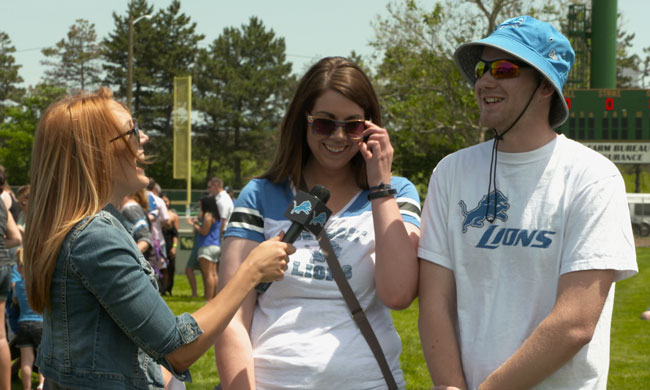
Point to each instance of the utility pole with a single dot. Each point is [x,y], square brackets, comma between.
[129,80]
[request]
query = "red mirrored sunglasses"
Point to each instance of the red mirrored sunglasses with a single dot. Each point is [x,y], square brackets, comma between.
[500,69]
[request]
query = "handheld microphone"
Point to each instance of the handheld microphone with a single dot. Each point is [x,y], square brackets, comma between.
[306,211]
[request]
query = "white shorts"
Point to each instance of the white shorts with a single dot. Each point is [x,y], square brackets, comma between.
[211,253]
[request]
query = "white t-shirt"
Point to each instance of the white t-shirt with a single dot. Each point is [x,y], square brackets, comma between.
[561,208]
[224,205]
[303,334]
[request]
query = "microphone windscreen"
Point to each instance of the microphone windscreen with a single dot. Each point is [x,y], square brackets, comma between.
[322,193]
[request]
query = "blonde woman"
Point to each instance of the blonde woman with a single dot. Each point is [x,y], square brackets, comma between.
[105,325]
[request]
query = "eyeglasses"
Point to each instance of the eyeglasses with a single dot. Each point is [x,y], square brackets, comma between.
[500,69]
[135,131]
[325,126]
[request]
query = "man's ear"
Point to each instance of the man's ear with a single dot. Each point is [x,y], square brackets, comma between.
[547,88]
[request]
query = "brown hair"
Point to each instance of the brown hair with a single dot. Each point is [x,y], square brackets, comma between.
[22,189]
[330,73]
[73,166]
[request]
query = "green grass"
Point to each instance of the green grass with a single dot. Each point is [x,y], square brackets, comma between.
[204,371]
[630,340]
[629,355]
[412,359]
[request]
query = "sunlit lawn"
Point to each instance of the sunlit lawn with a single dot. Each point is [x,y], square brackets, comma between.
[630,345]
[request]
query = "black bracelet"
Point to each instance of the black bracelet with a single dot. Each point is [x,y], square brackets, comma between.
[380,187]
[382,193]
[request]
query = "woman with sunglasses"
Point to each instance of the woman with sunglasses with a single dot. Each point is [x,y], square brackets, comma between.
[299,333]
[105,325]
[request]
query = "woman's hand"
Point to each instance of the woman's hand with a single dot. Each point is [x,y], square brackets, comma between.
[268,261]
[378,153]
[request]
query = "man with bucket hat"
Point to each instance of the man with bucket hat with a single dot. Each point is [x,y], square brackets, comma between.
[523,236]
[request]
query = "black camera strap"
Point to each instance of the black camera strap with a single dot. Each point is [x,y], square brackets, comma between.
[358,314]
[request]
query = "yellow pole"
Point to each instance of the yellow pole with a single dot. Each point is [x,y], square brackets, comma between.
[189,145]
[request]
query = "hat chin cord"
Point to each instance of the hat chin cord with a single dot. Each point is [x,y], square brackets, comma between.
[493,159]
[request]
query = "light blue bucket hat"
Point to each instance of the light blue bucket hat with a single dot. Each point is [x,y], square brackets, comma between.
[534,42]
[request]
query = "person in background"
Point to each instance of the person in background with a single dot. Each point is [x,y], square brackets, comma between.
[10,237]
[159,217]
[8,196]
[209,243]
[86,274]
[13,206]
[133,208]
[22,196]
[192,265]
[299,334]
[523,236]
[230,192]
[12,311]
[170,232]
[224,201]
[193,259]
[30,329]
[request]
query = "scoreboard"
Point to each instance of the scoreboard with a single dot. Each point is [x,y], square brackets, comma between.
[615,122]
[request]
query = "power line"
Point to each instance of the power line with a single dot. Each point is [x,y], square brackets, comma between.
[32,49]
[44,47]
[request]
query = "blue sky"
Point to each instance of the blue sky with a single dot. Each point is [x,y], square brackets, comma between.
[312,29]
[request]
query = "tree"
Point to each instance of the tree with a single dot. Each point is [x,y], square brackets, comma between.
[242,83]
[164,46]
[429,108]
[9,77]
[17,130]
[426,104]
[467,20]
[75,60]
[175,52]
[627,64]
[645,70]
[116,49]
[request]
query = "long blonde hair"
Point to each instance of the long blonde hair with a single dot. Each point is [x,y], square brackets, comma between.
[73,165]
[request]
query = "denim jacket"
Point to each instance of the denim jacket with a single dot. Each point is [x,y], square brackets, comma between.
[107,325]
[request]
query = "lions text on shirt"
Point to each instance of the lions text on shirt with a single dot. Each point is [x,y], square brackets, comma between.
[560,208]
